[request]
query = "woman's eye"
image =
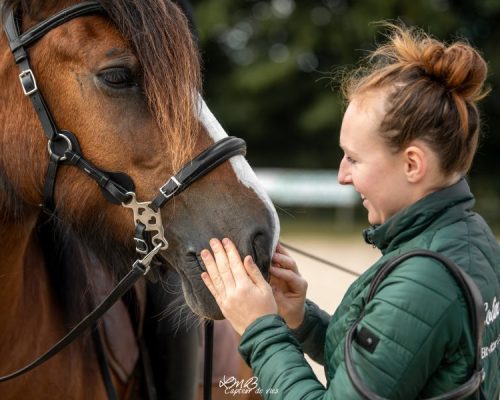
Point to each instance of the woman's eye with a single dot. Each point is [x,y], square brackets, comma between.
[117,78]
[350,160]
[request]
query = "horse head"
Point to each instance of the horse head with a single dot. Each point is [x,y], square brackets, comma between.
[125,82]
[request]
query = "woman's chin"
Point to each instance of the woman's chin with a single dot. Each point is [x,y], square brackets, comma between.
[374,219]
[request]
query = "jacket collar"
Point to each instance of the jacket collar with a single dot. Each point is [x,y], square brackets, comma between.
[443,207]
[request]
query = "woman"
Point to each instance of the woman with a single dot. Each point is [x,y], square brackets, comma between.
[409,135]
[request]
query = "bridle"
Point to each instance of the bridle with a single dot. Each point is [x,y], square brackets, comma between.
[117,187]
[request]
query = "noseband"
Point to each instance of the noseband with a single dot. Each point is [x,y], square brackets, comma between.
[117,187]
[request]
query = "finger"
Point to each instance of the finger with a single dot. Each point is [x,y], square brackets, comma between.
[282,273]
[235,263]
[294,281]
[222,263]
[210,285]
[281,249]
[254,272]
[213,272]
[284,261]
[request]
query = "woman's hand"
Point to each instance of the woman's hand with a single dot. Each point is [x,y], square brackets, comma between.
[239,288]
[289,287]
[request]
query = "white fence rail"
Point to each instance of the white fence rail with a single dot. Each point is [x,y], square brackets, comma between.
[307,188]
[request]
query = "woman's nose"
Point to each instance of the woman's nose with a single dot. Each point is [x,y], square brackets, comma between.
[344,175]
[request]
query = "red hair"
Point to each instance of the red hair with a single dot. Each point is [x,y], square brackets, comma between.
[433,90]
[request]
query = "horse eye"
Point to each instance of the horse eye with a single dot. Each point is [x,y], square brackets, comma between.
[117,78]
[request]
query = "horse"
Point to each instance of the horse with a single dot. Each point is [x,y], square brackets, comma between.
[122,95]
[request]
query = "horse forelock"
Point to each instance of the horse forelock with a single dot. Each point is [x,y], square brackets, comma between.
[159,34]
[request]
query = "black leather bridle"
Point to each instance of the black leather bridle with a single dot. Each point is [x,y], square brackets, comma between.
[117,187]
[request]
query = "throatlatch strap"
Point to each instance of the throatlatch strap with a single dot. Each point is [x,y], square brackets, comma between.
[115,192]
[48,189]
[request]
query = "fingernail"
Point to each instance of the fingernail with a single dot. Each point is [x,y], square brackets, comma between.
[204,253]
[213,242]
[225,241]
[250,258]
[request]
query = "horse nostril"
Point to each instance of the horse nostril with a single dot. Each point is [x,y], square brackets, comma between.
[261,252]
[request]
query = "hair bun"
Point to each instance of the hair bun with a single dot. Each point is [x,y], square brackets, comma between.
[431,91]
[458,66]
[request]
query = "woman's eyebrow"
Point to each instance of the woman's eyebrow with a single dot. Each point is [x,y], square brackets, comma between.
[346,149]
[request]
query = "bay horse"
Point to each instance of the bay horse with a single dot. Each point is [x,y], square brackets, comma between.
[121,87]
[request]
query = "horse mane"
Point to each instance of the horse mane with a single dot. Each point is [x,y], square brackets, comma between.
[67,269]
[159,34]
[12,207]
[75,270]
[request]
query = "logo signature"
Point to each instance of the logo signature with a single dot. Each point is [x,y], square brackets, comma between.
[493,312]
[235,387]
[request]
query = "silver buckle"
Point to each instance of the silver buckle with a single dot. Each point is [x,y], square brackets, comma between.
[163,188]
[24,74]
[145,263]
[141,246]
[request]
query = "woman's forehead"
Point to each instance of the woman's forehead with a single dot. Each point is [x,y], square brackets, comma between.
[361,121]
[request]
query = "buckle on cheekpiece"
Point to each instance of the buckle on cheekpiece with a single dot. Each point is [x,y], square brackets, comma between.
[28,82]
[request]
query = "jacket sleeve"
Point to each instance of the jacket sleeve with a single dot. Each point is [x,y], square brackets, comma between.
[416,318]
[278,362]
[311,333]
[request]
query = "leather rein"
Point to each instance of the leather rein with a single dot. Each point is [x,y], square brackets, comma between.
[117,187]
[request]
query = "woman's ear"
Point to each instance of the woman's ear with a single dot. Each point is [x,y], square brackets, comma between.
[416,163]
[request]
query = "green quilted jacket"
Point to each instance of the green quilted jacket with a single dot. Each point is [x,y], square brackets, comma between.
[422,343]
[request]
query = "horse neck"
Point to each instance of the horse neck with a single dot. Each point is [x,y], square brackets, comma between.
[31,321]
[14,243]
[25,296]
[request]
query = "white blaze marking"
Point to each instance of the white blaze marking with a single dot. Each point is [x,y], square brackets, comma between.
[241,168]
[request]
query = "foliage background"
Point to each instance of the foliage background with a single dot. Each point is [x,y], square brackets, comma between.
[268,68]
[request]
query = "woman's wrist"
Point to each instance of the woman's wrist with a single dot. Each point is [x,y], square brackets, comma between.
[297,320]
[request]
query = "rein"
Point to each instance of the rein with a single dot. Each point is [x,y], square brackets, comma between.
[117,187]
[319,259]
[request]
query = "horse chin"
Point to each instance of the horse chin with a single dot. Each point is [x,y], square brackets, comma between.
[204,308]
[197,296]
